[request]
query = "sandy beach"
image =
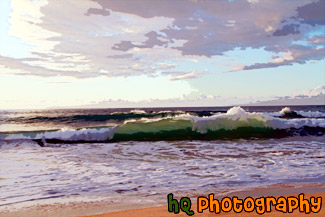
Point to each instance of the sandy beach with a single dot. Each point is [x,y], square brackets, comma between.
[162,211]
[107,209]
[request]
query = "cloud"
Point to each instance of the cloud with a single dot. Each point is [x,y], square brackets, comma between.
[312,13]
[128,38]
[24,67]
[58,82]
[315,92]
[183,101]
[287,29]
[313,100]
[314,96]
[294,54]
[181,75]
[307,93]
[94,11]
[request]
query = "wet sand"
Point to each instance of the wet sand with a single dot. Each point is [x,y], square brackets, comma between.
[108,209]
[161,211]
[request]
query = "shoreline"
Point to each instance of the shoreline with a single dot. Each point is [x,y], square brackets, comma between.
[161,211]
[108,208]
[309,190]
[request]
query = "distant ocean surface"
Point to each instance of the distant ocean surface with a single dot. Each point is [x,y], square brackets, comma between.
[147,153]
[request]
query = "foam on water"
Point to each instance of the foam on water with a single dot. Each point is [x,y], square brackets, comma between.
[235,118]
[195,152]
[285,110]
[144,169]
[138,111]
[101,134]
[311,114]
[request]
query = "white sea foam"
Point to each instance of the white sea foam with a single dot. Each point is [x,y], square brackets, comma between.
[138,111]
[235,117]
[101,134]
[142,169]
[238,117]
[285,110]
[311,114]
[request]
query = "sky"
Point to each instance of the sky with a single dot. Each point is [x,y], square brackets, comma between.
[143,53]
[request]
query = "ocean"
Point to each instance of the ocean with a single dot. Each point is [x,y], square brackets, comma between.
[141,155]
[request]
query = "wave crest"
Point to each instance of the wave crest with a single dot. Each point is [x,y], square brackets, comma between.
[236,123]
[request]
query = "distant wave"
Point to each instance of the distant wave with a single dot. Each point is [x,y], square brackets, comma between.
[288,113]
[118,117]
[236,123]
[115,117]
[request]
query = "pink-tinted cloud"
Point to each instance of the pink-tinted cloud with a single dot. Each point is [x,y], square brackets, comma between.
[126,38]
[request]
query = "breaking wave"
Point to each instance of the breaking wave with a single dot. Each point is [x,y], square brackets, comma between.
[235,123]
[289,114]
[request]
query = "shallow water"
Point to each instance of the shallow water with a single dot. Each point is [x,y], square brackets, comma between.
[115,170]
[113,153]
